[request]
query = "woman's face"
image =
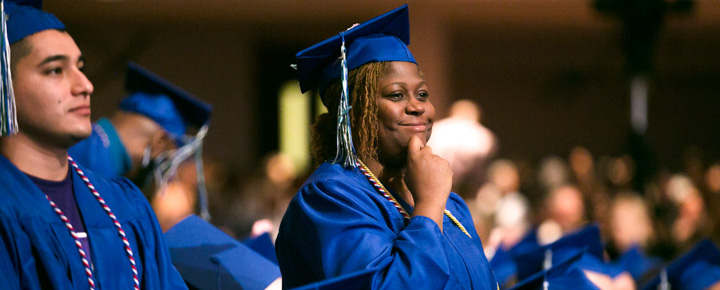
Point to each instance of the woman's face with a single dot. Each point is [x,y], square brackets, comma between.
[404,110]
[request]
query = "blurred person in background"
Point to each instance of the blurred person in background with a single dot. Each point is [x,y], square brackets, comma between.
[564,210]
[153,119]
[147,139]
[462,140]
[552,172]
[630,224]
[620,173]
[504,208]
[690,224]
[585,177]
[263,200]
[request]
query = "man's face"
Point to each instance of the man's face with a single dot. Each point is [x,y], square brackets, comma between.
[51,91]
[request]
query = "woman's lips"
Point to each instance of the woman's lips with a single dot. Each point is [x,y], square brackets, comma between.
[416,127]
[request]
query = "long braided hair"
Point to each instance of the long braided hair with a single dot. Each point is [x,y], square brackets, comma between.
[363,88]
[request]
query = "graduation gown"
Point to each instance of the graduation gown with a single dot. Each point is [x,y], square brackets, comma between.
[338,224]
[102,152]
[38,252]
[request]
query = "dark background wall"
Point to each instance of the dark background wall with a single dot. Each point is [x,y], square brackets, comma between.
[549,74]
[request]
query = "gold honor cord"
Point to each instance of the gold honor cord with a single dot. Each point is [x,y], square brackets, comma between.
[380,188]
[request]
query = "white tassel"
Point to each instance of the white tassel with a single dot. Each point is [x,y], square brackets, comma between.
[8,117]
[345,152]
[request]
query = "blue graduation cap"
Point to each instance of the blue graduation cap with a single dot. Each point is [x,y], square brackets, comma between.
[595,264]
[698,269]
[561,276]
[383,38]
[207,258]
[353,281]
[534,259]
[158,99]
[263,245]
[25,17]
[503,266]
[637,263]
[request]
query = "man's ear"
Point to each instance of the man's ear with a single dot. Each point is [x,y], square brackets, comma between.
[160,141]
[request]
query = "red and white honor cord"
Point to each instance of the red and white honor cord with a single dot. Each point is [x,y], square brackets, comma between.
[381,189]
[77,241]
[105,207]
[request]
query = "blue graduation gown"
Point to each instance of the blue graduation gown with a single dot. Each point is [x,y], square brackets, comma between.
[37,251]
[102,152]
[338,224]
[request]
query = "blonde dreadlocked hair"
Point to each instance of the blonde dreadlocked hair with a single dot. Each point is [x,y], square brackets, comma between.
[363,88]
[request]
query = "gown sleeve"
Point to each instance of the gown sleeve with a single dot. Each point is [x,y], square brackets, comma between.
[8,273]
[333,228]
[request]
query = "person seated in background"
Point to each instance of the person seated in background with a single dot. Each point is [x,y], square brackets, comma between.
[147,139]
[380,200]
[462,140]
[61,225]
[565,212]
[501,201]
[154,118]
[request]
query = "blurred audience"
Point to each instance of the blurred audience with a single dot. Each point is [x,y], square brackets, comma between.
[564,213]
[630,224]
[503,209]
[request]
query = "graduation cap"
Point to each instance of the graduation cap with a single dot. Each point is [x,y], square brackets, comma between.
[637,263]
[696,270]
[563,275]
[263,245]
[207,258]
[503,266]
[166,104]
[353,281]
[534,259]
[25,17]
[383,38]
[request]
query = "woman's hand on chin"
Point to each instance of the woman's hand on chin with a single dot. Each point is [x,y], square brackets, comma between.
[429,179]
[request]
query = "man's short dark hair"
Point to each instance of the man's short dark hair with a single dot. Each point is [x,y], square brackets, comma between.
[18,51]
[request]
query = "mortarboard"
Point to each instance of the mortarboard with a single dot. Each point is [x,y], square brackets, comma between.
[263,245]
[352,281]
[207,258]
[383,38]
[158,99]
[26,18]
[533,259]
[503,266]
[637,263]
[560,276]
[696,270]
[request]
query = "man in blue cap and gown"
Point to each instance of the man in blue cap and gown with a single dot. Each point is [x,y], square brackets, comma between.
[61,225]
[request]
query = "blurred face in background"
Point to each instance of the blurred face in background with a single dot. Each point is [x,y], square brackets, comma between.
[630,222]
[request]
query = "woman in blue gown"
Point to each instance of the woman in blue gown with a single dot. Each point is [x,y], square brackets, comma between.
[383,202]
